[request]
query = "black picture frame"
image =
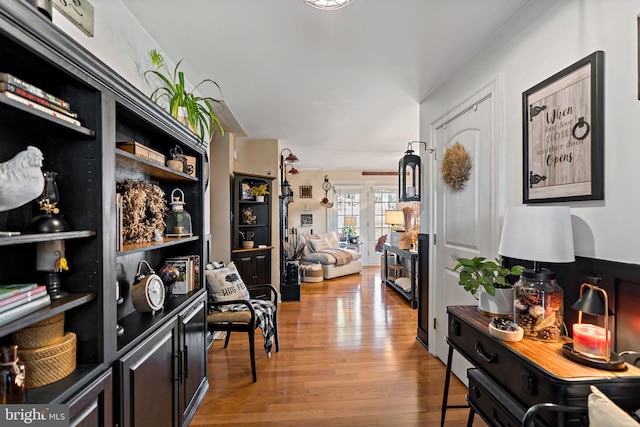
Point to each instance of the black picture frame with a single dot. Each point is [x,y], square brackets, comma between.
[563,135]
[306,220]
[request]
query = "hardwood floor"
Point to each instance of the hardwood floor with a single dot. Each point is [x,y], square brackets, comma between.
[348,357]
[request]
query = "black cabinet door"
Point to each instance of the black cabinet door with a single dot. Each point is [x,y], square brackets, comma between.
[193,359]
[244,263]
[147,376]
[254,266]
[262,268]
[93,406]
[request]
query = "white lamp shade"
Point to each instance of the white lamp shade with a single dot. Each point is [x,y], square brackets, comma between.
[350,221]
[537,233]
[394,217]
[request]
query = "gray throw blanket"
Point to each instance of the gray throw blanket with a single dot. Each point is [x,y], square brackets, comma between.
[342,257]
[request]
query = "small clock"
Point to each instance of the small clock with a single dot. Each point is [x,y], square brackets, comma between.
[147,292]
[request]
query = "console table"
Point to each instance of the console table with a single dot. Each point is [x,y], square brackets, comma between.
[412,256]
[510,377]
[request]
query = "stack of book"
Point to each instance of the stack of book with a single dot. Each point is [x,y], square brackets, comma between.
[19,300]
[18,90]
[189,268]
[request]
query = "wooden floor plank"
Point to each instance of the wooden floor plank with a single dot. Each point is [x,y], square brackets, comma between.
[348,357]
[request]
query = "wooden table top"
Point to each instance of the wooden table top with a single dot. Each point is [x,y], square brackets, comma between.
[548,356]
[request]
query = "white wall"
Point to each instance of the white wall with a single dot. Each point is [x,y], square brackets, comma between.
[120,42]
[544,38]
[315,178]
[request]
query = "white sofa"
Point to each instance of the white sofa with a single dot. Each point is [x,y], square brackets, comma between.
[314,253]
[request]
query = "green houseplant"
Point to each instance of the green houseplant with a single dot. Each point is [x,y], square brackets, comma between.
[478,272]
[198,110]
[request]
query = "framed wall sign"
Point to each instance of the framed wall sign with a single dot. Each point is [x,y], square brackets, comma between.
[563,127]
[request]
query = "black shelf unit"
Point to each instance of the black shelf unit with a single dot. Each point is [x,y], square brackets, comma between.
[254,264]
[89,167]
[412,258]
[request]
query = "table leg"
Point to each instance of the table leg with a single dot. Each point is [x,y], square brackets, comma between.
[445,394]
[470,419]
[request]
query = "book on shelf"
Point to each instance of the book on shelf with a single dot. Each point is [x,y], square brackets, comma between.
[22,298]
[7,291]
[10,78]
[39,107]
[4,86]
[187,266]
[24,309]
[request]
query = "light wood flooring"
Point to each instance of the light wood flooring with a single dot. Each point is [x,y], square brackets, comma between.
[348,357]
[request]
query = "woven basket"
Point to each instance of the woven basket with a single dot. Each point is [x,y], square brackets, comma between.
[50,363]
[40,334]
[312,273]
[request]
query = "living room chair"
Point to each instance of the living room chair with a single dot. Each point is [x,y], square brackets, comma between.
[231,309]
[380,243]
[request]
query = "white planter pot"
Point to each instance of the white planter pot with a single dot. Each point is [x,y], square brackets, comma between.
[259,198]
[499,305]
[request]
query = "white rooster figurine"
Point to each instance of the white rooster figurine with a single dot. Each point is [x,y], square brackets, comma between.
[21,179]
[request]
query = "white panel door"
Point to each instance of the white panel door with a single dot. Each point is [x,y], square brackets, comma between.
[463,218]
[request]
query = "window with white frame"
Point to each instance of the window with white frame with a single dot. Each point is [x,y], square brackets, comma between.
[383,200]
[348,207]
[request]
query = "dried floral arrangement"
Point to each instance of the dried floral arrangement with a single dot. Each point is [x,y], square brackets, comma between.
[455,168]
[143,210]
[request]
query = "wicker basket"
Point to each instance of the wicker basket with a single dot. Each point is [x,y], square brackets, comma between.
[50,363]
[40,334]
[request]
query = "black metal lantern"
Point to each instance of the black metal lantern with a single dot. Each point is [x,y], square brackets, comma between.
[409,175]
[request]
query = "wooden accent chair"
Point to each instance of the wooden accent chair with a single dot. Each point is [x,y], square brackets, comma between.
[238,312]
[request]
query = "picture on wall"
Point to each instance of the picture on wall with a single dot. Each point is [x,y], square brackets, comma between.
[563,130]
[306,219]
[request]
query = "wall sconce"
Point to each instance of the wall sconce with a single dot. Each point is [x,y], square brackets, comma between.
[591,344]
[395,219]
[538,234]
[409,175]
[50,259]
[285,187]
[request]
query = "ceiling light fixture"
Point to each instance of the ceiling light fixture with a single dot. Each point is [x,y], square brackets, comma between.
[328,4]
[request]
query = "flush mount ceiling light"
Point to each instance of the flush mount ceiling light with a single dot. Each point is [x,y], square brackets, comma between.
[328,4]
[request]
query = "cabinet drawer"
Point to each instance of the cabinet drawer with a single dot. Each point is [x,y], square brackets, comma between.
[491,402]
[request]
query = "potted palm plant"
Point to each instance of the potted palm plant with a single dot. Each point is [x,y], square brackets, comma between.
[487,281]
[192,110]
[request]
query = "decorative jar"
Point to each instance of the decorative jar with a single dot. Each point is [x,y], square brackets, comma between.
[12,376]
[538,305]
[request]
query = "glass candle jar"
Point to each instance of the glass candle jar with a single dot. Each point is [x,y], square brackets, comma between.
[538,305]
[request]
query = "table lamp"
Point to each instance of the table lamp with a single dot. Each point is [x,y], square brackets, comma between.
[351,222]
[395,219]
[538,234]
[591,344]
